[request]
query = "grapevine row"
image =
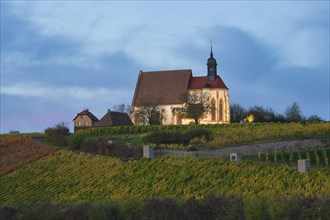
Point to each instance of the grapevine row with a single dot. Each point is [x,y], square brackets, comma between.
[76,177]
[228,134]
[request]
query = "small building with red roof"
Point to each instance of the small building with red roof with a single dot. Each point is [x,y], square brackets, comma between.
[112,118]
[84,119]
[164,88]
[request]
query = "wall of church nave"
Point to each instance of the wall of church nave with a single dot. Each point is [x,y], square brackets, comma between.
[219,112]
[169,119]
[220,106]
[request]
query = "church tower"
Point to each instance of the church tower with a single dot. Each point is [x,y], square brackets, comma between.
[211,67]
[164,88]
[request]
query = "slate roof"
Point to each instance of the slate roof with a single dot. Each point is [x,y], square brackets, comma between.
[200,82]
[161,87]
[114,119]
[89,114]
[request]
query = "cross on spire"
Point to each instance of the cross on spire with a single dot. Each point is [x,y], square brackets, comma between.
[211,54]
[211,66]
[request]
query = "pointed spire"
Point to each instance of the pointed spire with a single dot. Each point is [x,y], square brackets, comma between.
[211,54]
[211,66]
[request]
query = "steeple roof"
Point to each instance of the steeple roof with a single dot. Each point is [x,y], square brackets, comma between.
[211,59]
[211,54]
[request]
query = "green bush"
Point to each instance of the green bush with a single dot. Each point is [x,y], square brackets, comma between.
[76,140]
[175,137]
[102,147]
[195,133]
[162,137]
[58,134]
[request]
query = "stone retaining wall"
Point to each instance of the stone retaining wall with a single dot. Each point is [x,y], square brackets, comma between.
[249,149]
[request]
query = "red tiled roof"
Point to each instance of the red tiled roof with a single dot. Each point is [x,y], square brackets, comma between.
[114,119]
[200,82]
[89,114]
[162,87]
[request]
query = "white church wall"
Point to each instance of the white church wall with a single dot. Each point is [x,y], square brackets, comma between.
[216,94]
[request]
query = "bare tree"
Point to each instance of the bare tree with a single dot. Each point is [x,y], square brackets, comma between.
[293,113]
[237,113]
[150,114]
[58,134]
[314,119]
[124,108]
[195,106]
[262,114]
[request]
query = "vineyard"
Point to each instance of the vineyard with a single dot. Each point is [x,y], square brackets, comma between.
[226,134]
[35,178]
[66,176]
[317,157]
[268,131]
[19,150]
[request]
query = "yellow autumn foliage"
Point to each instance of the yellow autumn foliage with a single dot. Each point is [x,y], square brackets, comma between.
[67,176]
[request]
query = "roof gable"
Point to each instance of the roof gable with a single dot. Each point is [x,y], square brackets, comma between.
[114,119]
[200,82]
[89,114]
[161,87]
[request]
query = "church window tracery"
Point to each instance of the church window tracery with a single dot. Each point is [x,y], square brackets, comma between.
[220,110]
[213,110]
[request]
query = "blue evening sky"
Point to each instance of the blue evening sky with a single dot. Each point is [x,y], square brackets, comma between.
[58,57]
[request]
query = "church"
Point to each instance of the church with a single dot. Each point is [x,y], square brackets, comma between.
[164,88]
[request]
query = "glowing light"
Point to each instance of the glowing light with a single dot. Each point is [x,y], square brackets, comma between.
[250,118]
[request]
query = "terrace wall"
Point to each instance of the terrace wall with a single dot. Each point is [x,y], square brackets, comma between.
[249,149]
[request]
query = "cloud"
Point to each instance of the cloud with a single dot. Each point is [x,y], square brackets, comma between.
[162,27]
[296,31]
[306,48]
[30,107]
[60,56]
[61,93]
[241,57]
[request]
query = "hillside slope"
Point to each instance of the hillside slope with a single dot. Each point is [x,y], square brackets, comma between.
[19,150]
[77,177]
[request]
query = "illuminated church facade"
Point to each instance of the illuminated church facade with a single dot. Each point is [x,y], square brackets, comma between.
[164,88]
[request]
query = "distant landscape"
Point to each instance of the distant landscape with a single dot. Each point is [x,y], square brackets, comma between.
[101,172]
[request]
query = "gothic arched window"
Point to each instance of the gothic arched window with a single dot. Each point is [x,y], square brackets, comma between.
[213,110]
[221,110]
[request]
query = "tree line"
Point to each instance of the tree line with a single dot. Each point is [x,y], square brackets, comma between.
[197,105]
[292,113]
